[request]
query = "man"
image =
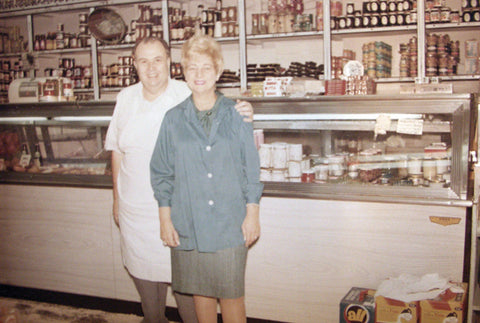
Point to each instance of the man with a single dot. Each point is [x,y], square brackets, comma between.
[131,137]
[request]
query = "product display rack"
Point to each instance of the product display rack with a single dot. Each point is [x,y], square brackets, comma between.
[244,39]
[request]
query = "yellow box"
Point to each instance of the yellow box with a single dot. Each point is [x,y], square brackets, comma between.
[389,310]
[446,307]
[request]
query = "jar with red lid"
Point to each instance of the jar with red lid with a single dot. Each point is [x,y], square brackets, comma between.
[454,16]
[308,176]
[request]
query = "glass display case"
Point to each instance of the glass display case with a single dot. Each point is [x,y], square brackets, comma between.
[55,143]
[375,148]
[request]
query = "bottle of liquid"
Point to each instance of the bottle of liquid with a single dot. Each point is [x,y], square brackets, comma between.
[25,157]
[37,156]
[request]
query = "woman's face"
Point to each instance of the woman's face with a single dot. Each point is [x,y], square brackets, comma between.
[201,74]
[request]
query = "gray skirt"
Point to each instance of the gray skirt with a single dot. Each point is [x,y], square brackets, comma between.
[218,274]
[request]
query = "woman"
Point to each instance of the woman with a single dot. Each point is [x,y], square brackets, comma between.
[205,176]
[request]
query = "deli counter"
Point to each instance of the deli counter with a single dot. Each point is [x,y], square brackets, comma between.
[357,189]
[356,148]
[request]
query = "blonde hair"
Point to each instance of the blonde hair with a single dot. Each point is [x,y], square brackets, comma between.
[203,45]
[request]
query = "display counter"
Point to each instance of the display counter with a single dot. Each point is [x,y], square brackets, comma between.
[321,234]
[379,148]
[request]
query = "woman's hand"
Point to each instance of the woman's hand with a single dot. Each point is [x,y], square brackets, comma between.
[251,224]
[168,234]
[245,109]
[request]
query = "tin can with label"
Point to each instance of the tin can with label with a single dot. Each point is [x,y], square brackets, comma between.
[265,155]
[294,168]
[279,155]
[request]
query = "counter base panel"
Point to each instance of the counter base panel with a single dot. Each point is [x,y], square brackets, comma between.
[311,252]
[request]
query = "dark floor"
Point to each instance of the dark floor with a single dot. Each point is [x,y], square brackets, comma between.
[90,302]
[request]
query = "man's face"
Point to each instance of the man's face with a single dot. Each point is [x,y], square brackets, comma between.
[152,66]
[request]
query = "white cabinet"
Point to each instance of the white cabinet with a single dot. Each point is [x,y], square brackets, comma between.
[309,255]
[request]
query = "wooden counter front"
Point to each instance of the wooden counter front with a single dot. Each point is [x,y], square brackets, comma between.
[309,255]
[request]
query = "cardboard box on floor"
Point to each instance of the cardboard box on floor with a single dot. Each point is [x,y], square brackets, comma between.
[389,310]
[358,306]
[447,307]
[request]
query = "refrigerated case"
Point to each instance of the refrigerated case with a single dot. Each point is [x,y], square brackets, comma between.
[360,147]
[371,216]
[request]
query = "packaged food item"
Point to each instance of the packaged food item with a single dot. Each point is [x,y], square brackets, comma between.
[449,306]
[389,310]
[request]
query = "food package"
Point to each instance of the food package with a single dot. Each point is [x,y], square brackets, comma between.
[449,306]
[389,310]
[358,305]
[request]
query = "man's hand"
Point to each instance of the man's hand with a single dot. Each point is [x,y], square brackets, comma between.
[245,109]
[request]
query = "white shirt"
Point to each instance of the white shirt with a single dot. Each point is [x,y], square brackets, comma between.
[133,132]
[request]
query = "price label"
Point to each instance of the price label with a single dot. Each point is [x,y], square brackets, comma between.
[410,126]
[25,160]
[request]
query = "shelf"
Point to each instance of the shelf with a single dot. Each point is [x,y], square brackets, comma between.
[179,43]
[299,34]
[349,125]
[407,28]
[61,51]
[12,55]
[459,77]
[98,181]
[460,25]
[110,89]
[83,90]
[395,80]
[115,47]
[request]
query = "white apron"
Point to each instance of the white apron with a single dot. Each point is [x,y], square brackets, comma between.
[143,252]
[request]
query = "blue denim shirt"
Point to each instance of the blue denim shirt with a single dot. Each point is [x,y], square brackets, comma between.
[206,180]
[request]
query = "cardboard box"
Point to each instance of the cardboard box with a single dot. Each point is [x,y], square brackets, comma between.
[358,306]
[447,307]
[389,310]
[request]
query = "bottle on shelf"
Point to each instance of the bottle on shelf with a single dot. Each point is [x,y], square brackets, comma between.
[25,157]
[37,156]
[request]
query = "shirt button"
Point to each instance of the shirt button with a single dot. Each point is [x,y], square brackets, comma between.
[208,148]
[210,202]
[209,175]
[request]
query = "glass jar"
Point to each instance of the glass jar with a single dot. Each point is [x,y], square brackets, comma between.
[429,169]
[414,165]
